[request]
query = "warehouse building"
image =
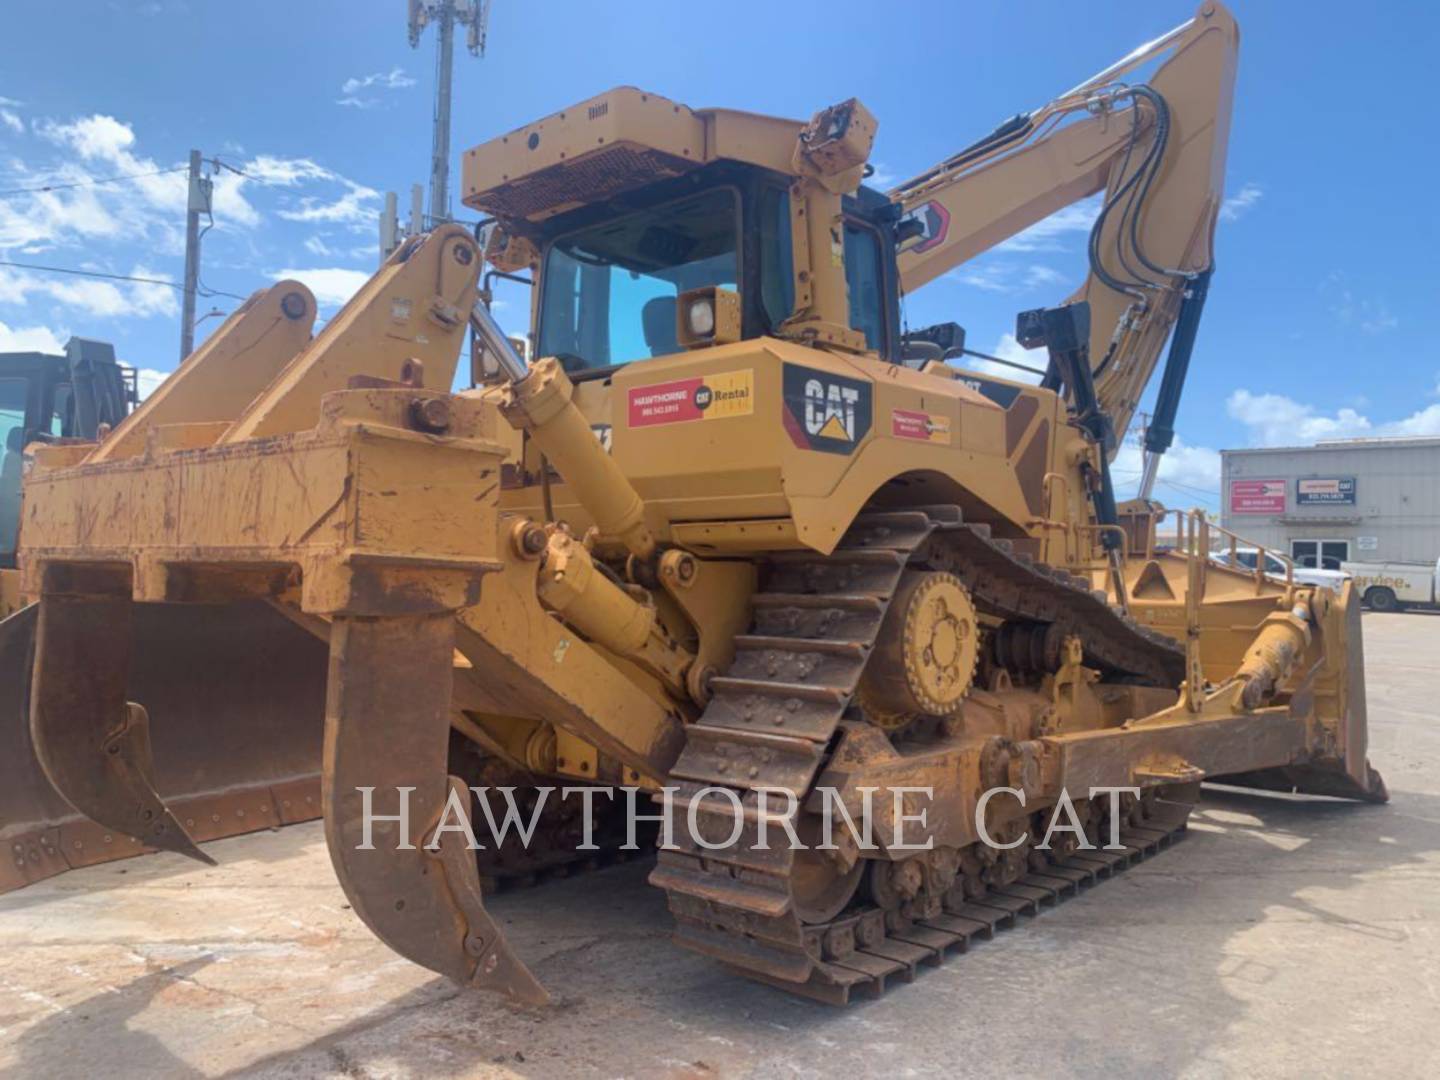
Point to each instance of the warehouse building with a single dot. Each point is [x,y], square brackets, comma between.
[1357,500]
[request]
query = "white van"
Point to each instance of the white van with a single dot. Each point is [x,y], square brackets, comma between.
[1392,586]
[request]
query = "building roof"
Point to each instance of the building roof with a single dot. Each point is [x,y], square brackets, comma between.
[1372,443]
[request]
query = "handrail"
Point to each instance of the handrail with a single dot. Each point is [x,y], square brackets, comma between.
[1183,519]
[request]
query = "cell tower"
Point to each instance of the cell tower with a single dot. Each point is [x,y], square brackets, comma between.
[474,15]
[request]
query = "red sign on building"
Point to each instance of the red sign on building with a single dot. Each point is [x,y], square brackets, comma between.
[1257,496]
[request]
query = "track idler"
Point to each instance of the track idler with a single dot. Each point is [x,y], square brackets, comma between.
[387,724]
[93,744]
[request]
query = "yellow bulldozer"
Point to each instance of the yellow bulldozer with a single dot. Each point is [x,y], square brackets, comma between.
[738,538]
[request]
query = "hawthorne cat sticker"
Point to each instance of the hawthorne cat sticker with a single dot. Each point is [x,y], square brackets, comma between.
[922,426]
[824,411]
[701,397]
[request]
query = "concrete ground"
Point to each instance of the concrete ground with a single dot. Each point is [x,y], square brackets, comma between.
[1285,937]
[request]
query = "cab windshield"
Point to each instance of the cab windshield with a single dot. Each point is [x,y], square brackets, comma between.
[609,291]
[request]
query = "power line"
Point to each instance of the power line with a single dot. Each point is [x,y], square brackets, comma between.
[207,292]
[97,274]
[1193,492]
[91,182]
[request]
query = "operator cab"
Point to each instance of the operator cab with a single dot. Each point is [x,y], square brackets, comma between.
[611,275]
[624,203]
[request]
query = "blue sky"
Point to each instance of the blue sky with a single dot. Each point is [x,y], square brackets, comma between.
[1316,324]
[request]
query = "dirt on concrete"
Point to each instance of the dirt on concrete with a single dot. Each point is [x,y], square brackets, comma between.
[1284,937]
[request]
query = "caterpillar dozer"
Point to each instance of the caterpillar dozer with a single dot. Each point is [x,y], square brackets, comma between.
[736,534]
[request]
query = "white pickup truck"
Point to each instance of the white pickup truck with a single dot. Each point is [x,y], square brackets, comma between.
[1246,557]
[1392,586]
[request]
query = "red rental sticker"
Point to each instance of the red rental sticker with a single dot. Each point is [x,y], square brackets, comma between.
[665,403]
[1257,496]
[922,426]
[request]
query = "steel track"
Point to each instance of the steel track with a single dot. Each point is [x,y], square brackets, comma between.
[771,723]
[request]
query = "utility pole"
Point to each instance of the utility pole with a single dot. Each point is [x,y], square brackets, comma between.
[474,15]
[197,202]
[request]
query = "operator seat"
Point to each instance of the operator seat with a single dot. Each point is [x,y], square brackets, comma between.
[657,318]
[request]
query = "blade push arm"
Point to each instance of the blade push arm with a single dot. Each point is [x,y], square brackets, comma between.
[1157,151]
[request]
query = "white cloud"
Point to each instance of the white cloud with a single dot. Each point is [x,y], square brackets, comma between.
[29,339]
[1038,276]
[317,246]
[12,121]
[394,79]
[147,209]
[96,136]
[331,285]
[148,379]
[359,205]
[285,172]
[135,224]
[1051,233]
[1244,199]
[145,212]
[1007,277]
[351,89]
[1188,474]
[101,299]
[1424,422]
[991,278]
[1277,420]
[153,299]
[228,203]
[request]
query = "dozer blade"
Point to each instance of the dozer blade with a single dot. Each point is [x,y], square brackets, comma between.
[225,738]
[1348,774]
[387,726]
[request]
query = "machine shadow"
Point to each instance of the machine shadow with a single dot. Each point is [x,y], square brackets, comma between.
[51,1049]
[602,948]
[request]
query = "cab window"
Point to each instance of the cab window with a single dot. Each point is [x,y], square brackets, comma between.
[609,291]
[865,285]
[777,267]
